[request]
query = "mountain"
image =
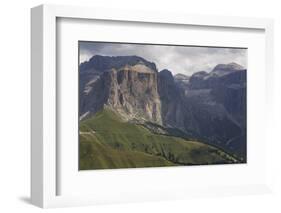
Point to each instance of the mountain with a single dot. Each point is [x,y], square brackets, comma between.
[207,107]
[223,69]
[170,98]
[217,103]
[181,78]
[128,84]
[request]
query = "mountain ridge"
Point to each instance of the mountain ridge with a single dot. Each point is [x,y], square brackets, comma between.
[102,63]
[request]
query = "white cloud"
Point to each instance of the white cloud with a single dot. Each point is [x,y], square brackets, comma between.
[178,59]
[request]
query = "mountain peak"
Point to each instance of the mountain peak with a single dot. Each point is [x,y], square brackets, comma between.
[167,74]
[227,67]
[103,63]
[199,74]
[181,77]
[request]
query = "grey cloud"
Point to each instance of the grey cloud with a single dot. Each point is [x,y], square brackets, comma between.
[178,59]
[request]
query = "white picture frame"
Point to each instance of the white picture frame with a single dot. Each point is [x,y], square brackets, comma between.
[44,169]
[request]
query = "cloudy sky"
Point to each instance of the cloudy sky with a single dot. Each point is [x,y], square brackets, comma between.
[178,59]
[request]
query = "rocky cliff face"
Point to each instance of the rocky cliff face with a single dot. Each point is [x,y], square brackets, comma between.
[128,86]
[215,104]
[171,102]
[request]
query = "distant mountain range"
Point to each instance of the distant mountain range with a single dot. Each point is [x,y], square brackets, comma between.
[209,107]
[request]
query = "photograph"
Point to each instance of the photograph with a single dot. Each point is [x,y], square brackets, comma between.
[159,105]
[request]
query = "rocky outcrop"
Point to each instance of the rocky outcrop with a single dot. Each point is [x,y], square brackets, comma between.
[128,87]
[199,109]
[171,102]
[216,107]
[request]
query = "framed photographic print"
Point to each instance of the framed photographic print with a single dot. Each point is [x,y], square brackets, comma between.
[134,106]
[186,109]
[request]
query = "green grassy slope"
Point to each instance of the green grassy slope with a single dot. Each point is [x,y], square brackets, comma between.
[108,142]
[96,155]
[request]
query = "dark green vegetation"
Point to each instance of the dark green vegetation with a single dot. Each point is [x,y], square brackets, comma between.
[106,142]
